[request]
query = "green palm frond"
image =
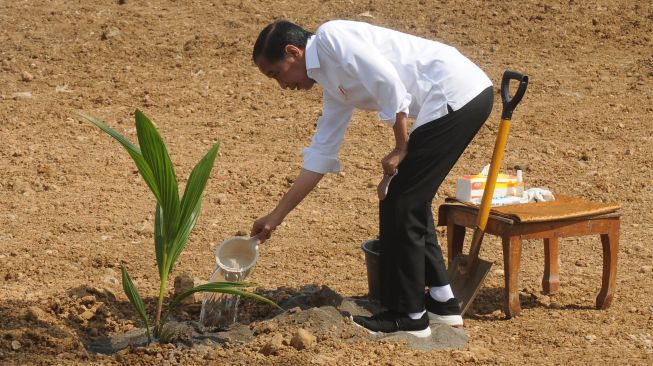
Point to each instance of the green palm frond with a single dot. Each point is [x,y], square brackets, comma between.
[196,183]
[182,235]
[159,243]
[134,298]
[156,155]
[233,288]
[133,150]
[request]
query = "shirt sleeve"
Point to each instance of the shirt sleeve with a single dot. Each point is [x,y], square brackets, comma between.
[379,77]
[322,155]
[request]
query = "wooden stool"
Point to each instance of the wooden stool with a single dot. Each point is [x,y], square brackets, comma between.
[458,217]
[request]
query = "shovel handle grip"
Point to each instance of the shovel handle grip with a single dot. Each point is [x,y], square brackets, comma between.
[509,104]
[500,143]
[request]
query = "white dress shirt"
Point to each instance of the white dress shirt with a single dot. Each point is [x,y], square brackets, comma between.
[363,66]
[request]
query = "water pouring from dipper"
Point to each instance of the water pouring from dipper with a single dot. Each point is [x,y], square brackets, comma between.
[235,258]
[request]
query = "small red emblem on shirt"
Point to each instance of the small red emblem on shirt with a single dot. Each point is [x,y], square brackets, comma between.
[342,90]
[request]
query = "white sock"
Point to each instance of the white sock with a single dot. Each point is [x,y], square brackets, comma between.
[417,315]
[441,293]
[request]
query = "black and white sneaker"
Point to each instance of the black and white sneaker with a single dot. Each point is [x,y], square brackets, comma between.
[443,312]
[390,322]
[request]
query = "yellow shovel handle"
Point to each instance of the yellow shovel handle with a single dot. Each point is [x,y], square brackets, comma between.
[491,181]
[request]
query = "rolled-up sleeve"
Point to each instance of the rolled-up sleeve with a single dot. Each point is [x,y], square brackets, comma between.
[380,79]
[322,155]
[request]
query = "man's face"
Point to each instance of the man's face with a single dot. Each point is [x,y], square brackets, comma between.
[289,72]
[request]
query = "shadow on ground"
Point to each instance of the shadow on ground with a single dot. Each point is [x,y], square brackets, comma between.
[320,311]
[489,303]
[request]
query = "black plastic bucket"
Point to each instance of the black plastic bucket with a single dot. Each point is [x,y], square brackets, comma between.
[371,248]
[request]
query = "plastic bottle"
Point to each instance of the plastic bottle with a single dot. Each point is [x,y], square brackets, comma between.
[519,189]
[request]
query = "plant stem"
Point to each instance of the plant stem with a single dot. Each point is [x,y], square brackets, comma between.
[159,306]
[165,270]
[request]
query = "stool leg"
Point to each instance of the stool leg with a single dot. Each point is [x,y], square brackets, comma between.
[610,242]
[455,240]
[511,259]
[551,280]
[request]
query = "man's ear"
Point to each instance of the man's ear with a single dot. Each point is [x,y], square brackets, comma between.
[293,50]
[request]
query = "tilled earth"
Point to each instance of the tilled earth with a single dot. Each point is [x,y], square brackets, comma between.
[73,207]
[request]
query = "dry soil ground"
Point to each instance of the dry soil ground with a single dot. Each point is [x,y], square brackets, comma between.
[72,206]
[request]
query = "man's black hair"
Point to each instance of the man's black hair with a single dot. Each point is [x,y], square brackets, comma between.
[272,40]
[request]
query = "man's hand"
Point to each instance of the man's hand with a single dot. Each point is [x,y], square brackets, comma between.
[384,185]
[391,161]
[264,226]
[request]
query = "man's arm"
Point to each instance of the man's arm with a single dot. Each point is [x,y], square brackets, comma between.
[391,161]
[306,181]
[319,158]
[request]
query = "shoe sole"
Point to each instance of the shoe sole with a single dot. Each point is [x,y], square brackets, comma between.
[424,333]
[452,320]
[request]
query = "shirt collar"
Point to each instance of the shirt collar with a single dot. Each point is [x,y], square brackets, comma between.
[312,62]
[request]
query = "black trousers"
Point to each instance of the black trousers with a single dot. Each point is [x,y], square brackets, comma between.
[410,255]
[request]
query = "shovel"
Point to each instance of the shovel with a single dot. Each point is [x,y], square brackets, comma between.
[467,273]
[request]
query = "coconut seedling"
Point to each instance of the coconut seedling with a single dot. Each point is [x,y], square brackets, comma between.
[174,217]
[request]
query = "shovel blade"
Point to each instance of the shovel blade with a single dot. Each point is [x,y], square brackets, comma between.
[465,283]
